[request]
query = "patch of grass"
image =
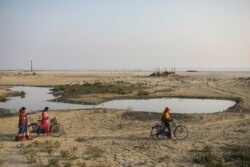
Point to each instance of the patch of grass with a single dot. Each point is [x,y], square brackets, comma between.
[142,93]
[163,159]
[81,164]
[31,157]
[53,162]
[67,164]
[93,153]
[70,91]
[20,145]
[51,146]
[120,125]
[165,90]
[240,155]
[70,154]
[32,152]
[3,99]
[208,158]
[20,93]
[241,130]
[1,161]
[104,110]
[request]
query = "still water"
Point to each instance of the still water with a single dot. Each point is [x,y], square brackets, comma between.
[37,98]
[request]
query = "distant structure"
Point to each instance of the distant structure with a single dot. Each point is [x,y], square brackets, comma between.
[165,73]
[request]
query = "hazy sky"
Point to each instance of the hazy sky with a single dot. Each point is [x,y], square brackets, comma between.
[129,34]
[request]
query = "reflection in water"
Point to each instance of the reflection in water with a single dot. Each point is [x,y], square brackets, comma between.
[36,99]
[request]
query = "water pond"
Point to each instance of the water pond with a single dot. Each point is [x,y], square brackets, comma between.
[36,98]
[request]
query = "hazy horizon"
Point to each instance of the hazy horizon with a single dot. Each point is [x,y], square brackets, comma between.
[125,35]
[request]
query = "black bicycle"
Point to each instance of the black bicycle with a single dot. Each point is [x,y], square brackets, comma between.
[56,129]
[160,131]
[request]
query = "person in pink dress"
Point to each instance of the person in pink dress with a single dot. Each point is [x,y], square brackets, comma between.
[45,120]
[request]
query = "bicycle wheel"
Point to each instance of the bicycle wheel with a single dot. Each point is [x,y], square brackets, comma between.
[181,132]
[155,131]
[32,128]
[56,130]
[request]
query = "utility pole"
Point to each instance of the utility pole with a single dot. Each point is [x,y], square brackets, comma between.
[31,68]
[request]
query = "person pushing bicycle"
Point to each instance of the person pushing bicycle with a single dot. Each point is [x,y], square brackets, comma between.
[166,119]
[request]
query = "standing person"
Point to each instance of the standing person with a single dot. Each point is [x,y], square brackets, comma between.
[45,120]
[23,133]
[166,119]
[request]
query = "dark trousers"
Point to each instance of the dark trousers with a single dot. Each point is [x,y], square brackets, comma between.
[167,125]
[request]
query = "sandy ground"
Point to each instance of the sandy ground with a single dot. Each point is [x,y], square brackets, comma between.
[106,137]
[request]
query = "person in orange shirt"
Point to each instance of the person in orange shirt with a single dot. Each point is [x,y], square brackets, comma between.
[45,120]
[166,119]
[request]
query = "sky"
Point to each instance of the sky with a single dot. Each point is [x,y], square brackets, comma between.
[129,34]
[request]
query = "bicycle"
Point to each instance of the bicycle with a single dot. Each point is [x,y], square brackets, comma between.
[56,129]
[179,131]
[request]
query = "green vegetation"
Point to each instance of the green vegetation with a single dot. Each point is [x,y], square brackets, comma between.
[69,154]
[93,153]
[20,93]
[239,154]
[143,93]
[53,162]
[209,158]
[3,99]
[51,146]
[81,164]
[35,151]
[67,164]
[118,88]
[170,89]
[1,161]
[234,155]
[31,157]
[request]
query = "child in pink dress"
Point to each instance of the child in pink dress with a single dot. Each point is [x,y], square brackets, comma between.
[45,120]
